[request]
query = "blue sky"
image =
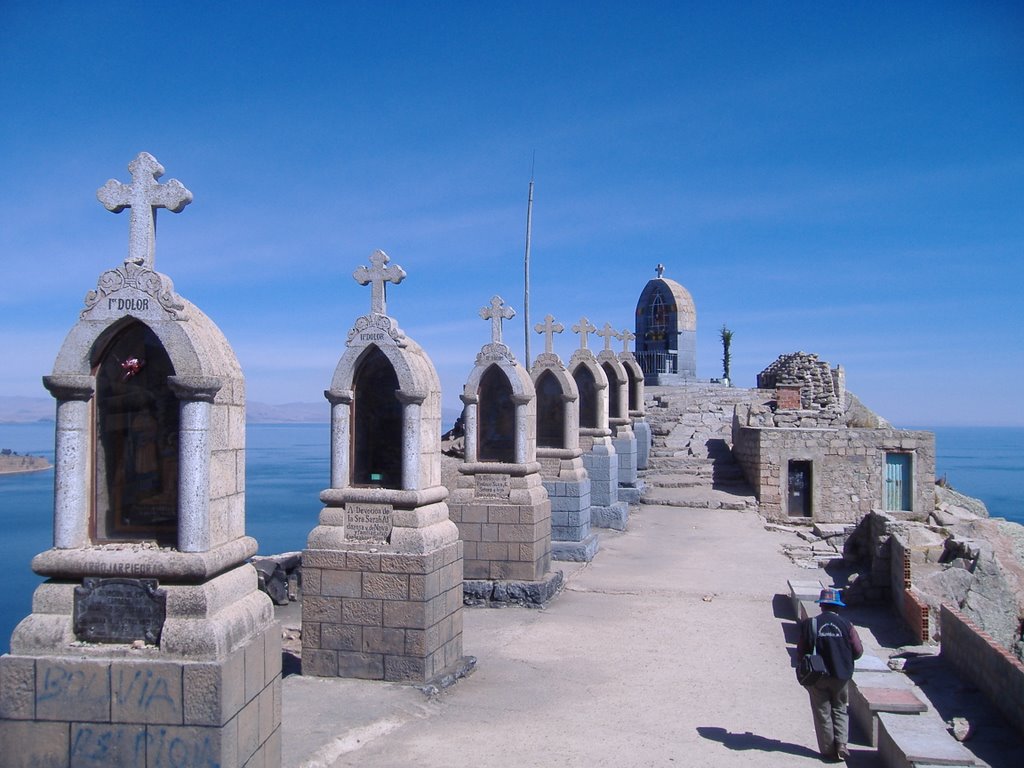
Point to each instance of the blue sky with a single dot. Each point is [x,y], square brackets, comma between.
[844,179]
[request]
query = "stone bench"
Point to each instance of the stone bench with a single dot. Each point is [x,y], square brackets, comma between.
[916,741]
[803,594]
[874,692]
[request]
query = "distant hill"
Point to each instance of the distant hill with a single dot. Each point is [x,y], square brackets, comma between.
[288,413]
[24,410]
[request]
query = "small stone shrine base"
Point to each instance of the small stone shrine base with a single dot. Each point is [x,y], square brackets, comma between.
[626,451]
[501,593]
[378,615]
[504,521]
[568,489]
[602,465]
[644,439]
[115,705]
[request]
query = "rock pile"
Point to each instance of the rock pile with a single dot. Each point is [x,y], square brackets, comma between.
[821,387]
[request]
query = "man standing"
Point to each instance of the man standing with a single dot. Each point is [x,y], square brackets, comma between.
[837,642]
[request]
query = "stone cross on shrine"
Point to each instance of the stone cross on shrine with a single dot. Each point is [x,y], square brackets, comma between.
[626,336]
[377,274]
[496,312]
[660,270]
[144,195]
[608,333]
[549,328]
[584,327]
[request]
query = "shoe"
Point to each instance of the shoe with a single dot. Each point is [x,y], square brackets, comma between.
[842,753]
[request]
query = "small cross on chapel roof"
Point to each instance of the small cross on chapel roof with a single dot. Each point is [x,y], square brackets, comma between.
[377,274]
[608,333]
[584,327]
[144,195]
[660,269]
[496,312]
[549,328]
[626,336]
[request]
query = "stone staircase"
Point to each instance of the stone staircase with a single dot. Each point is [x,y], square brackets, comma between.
[691,463]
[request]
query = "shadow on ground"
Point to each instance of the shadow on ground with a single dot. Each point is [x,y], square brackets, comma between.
[748,740]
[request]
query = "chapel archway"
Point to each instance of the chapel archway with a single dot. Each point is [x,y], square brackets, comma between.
[550,412]
[135,441]
[496,417]
[377,423]
[587,385]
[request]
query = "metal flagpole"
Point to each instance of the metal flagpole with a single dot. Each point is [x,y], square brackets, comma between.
[526,270]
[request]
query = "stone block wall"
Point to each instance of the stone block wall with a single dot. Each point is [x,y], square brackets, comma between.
[381,615]
[128,710]
[980,660]
[848,468]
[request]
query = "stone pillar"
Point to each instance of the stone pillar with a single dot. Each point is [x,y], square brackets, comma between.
[410,436]
[341,416]
[196,396]
[71,502]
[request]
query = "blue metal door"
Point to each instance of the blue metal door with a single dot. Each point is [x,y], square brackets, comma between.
[898,485]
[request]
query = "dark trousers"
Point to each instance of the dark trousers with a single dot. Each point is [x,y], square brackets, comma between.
[829,699]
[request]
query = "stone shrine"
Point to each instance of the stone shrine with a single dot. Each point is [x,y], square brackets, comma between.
[559,453]
[148,643]
[599,457]
[637,409]
[666,332]
[499,503]
[619,420]
[382,572]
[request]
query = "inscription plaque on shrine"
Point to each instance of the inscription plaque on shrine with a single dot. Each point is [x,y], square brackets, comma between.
[119,610]
[490,486]
[368,522]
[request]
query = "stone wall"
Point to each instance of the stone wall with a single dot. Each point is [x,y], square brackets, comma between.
[821,387]
[847,467]
[982,661]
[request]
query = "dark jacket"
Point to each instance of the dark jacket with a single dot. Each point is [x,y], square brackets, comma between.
[838,643]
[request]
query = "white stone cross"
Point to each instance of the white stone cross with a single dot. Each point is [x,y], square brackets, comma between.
[660,269]
[496,312]
[608,333]
[144,195]
[379,273]
[549,328]
[627,336]
[583,327]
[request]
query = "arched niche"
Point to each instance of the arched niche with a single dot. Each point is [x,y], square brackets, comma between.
[167,419]
[410,404]
[614,404]
[586,383]
[551,406]
[376,423]
[498,378]
[496,417]
[135,439]
[635,385]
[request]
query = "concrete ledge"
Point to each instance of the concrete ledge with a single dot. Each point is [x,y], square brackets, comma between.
[497,593]
[575,551]
[914,741]
[803,594]
[866,702]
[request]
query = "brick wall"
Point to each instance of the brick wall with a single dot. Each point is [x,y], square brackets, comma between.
[982,661]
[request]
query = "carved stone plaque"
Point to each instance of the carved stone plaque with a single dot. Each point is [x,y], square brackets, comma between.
[368,522]
[490,486]
[119,610]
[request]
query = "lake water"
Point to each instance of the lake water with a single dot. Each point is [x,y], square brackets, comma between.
[287,465]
